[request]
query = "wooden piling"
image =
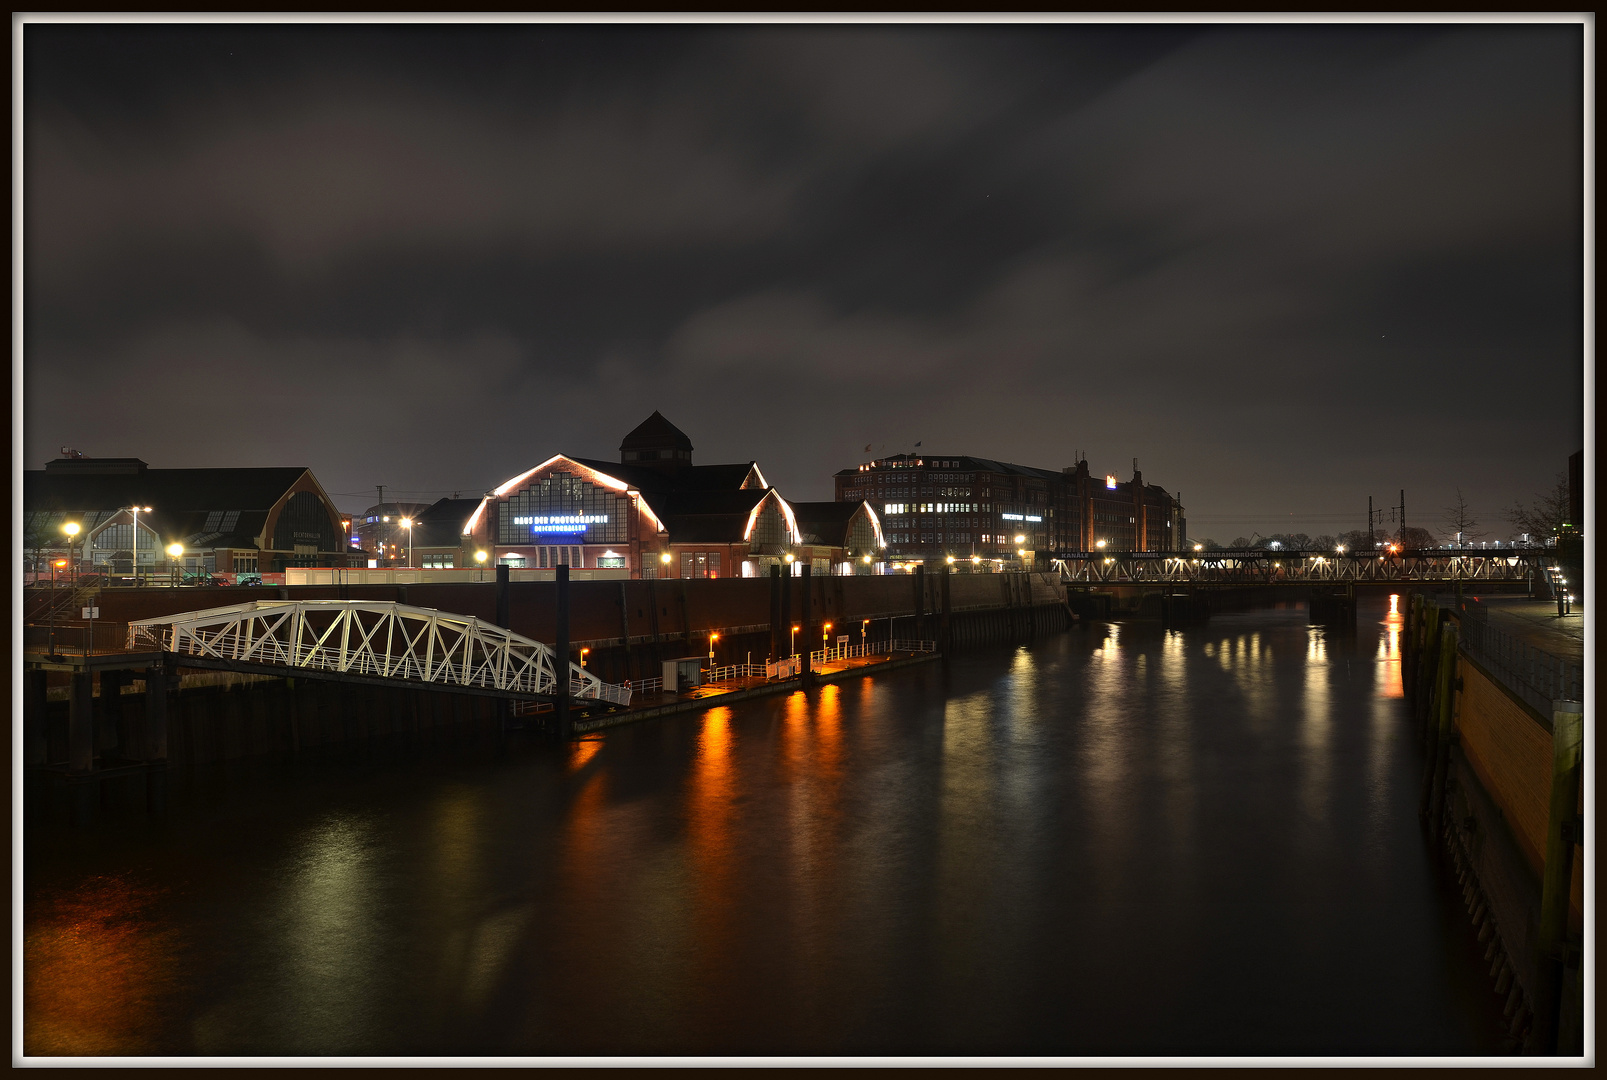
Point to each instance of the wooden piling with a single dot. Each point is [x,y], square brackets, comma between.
[561,651]
[81,723]
[1562,833]
[1445,686]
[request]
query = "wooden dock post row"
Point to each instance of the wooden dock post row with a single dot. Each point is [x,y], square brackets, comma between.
[1516,871]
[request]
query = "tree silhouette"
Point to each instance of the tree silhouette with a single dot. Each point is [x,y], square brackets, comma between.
[1460,524]
[1545,517]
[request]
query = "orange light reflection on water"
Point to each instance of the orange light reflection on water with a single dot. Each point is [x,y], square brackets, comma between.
[93,971]
[1389,651]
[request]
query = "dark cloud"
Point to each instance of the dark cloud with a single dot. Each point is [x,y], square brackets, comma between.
[1283,266]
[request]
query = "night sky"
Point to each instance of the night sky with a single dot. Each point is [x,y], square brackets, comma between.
[1285,267]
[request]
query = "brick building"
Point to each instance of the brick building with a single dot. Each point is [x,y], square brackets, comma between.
[228,520]
[655,513]
[934,506]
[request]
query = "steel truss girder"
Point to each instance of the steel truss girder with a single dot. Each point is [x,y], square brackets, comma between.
[1293,568]
[381,639]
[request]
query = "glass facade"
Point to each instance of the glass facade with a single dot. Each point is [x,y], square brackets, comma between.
[563,507]
[769,531]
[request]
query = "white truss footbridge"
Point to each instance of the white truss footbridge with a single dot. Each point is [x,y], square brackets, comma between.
[371,638]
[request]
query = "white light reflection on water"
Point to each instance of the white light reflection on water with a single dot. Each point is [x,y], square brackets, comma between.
[1176,751]
[1316,724]
[1384,717]
[1107,761]
[329,943]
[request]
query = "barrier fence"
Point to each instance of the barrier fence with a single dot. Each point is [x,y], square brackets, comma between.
[1536,676]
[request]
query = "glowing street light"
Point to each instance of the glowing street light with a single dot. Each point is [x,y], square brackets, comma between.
[583,653]
[824,631]
[713,637]
[951,560]
[134,547]
[407,523]
[1099,543]
[1199,547]
[71,529]
[174,551]
[794,639]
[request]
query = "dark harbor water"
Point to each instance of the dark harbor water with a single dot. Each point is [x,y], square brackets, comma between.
[1119,840]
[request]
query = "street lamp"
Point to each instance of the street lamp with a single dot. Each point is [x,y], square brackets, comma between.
[713,637]
[134,547]
[407,523]
[825,631]
[864,630]
[1099,543]
[71,529]
[174,551]
[583,653]
[793,644]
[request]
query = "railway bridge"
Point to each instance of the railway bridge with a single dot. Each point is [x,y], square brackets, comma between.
[1533,567]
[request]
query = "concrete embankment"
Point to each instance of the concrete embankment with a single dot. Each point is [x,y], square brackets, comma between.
[1502,723]
[620,629]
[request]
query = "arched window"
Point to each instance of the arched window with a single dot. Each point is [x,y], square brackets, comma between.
[562,508]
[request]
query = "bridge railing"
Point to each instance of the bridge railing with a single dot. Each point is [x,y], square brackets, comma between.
[371,638]
[1536,676]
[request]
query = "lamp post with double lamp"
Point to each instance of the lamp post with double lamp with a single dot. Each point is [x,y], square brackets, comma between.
[134,544]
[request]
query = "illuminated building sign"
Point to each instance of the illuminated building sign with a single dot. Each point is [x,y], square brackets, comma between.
[1021,517]
[560,523]
[1110,481]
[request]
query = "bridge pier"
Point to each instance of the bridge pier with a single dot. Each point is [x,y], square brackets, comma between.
[560,660]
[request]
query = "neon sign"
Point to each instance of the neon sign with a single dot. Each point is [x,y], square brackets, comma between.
[561,523]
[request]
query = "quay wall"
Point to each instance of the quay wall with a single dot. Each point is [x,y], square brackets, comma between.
[1487,794]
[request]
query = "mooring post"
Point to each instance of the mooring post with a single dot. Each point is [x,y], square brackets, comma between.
[155,749]
[806,621]
[920,602]
[1556,886]
[81,723]
[504,595]
[504,708]
[943,620]
[34,709]
[1442,748]
[561,651]
[777,623]
[625,625]
[789,640]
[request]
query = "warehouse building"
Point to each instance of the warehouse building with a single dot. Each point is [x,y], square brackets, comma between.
[130,516]
[934,507]
[655,513]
